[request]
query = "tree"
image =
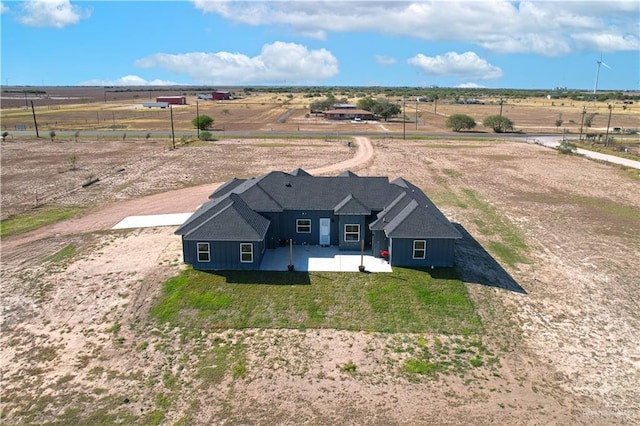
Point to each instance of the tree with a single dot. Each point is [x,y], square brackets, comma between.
[367,103]
[559,122]
[386,109]
[4,136]
[588,119]
[458,122]
[52,134]
[323,105]
[205,136]
[202,122]
[498,123]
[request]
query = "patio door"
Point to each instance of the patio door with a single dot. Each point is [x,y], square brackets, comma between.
[325,232]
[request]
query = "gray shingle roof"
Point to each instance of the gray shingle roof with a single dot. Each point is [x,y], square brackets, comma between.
[350,205]
[230,219]
[403,210]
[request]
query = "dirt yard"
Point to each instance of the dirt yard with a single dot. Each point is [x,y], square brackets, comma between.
[562,318]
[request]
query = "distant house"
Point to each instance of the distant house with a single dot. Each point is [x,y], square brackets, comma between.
[344,106]
[172,100]
[348,114]
[220,95]
[156,104]
[246,217]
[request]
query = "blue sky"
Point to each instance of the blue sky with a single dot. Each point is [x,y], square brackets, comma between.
[493,44]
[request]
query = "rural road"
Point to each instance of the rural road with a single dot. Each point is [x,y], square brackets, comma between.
[105,217]
[554,141]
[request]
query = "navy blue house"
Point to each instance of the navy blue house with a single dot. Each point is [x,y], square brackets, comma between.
[245,217]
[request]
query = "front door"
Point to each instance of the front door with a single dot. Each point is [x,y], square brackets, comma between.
[325,232]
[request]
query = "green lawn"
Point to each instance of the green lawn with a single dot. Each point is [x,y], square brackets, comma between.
[406,300]
[35,219]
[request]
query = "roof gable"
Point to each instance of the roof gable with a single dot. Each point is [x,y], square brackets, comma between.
[233,220]
[350,205]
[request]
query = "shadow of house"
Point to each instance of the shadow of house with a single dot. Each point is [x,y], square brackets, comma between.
[475,265]
[283,278]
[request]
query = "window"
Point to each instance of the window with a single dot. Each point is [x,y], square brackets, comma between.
[352,232]
[419,249]
[303,226]
[203,252]
[246,252]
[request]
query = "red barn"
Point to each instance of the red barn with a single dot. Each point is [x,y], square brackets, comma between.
[220,95]
[172,100]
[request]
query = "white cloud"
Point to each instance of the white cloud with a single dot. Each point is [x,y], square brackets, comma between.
[3,8]
[467,65]
[385,60]
[470,86]
[277,62]
[549,28]
[51,13]
[128,80]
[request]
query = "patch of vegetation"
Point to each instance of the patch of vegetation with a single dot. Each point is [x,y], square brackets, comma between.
[348,367]
[35,219]
[407,300]
[66,252]
[508,244]
[451,172]
[567,147]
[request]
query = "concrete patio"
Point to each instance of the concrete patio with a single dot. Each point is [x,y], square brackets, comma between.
[325,259]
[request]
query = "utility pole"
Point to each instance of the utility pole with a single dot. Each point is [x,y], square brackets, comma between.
[404,120]
[173,135]
[606,138]
[584,111]
[416,113]
[33,110]
[198,118]
[500,122]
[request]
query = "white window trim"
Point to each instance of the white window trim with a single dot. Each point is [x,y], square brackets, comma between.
[298,226]
[207,252]
[423,250]
[246,252]
[351,232]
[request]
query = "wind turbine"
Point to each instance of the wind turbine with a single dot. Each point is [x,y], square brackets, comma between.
[595,88]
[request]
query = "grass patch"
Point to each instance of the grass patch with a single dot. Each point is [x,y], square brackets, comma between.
[407,300]
[36,219]
[451,173]
[608,150]
[507,242]
[62,254]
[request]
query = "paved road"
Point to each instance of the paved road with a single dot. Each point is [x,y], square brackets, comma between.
[554,141]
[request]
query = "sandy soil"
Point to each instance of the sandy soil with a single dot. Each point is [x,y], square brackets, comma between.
[77,341]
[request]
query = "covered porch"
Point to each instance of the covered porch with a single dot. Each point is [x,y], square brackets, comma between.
[321,259]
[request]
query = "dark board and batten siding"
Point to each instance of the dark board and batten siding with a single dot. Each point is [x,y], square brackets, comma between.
[439,253]
[224,255]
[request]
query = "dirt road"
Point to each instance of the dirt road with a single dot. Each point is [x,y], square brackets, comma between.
[177,201]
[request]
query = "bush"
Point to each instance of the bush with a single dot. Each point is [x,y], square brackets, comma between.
[498,123]
[202,122]
[205,136]
[458,122]
[567,147]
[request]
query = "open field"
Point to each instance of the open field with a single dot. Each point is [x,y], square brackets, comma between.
[85,340]
[266,112]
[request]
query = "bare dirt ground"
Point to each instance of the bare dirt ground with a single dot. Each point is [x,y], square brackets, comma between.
[78,343]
